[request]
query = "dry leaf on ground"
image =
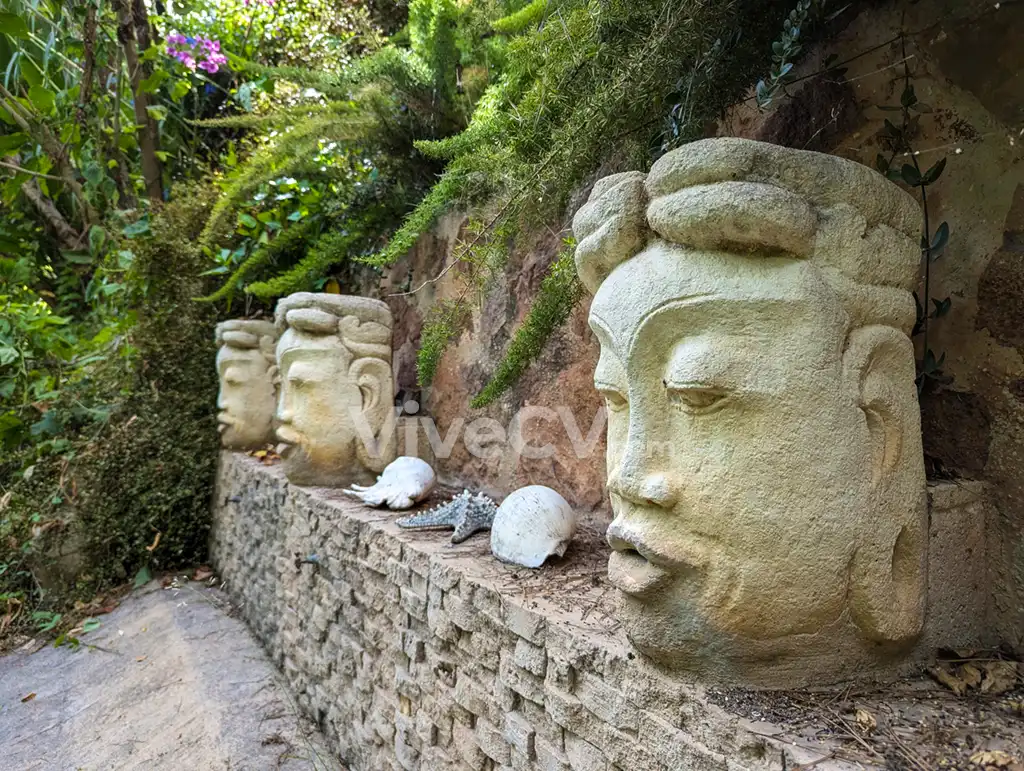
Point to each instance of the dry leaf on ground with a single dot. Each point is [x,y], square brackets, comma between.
[29,697]
[996,758]
[1000,677]
[866,721]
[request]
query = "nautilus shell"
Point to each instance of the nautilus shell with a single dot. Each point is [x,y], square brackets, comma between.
[532,524]
[404,482]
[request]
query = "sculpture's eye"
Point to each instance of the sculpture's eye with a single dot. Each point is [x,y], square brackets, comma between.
[697,400]
[615,401]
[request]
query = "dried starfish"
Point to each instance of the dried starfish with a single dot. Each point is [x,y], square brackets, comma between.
[466,513]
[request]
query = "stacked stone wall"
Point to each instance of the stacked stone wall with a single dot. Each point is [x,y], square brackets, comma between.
[414,654]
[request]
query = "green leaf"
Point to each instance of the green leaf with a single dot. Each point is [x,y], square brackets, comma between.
[97,237]
[43,99]
[908,98]
[881,163]
[13,25]
[90,625]
[153,82]
[143,577]
[910,175]
[163,155]
[11,142]
[247,220]
[181,87]
[139,228]
[157,112]
[940,240]
[934,172]
[30,72]
[93,173]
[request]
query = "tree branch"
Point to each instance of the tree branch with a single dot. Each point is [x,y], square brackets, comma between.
[68,237]
[148,143]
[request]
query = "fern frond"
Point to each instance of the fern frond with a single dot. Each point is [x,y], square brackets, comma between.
[444,323]
[330,84]
[326,252]
[560,292]
[287,241]
[527,16]
[279,117]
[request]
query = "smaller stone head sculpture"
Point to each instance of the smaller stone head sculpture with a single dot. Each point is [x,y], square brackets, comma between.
[753,306]
[335,405]
[247,370]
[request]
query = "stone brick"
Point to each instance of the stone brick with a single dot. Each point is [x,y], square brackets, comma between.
[607,703]
[525,623]
[465,743]
[550,757]
[528,685]
[461,612]
[492,742]
[674,748]
[584,756]
[520,734]
[532,658]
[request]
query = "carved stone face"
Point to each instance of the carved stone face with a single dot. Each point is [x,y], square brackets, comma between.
[332,405]
[247,397]
[741,467]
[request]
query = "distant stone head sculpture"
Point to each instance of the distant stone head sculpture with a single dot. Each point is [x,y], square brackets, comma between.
[753,306]
[335,409]
[247,370]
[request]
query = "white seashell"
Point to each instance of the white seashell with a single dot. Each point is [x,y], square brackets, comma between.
[533,523]
[404,482]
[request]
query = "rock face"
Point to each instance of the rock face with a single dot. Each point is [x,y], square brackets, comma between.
[753,305]
[247,370]
[335,412]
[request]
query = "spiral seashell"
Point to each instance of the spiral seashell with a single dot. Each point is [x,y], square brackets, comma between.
[404,482]
[532,524]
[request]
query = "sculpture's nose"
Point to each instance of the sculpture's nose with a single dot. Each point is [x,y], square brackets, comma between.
[635,481]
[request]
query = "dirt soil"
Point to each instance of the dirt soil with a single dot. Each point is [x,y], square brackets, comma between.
[170,680]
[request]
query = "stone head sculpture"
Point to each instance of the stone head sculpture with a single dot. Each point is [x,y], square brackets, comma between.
[247,370]
[335,408]
[753,306]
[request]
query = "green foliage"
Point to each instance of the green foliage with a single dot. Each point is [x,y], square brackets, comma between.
[446,321]
[527,16]
[575,89]
[131,438]
[559,293]
[933,244]
[153,472]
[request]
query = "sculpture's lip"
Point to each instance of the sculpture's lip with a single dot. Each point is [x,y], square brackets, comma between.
[632,573]
[287,435]
[225,421]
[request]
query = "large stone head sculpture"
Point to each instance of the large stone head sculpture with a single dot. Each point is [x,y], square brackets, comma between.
[753,305]
[335,409]
[246,366]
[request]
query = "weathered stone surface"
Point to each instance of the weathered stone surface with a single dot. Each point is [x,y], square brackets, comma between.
[336,406]
[395,689]
[247,367]
[753,304]
[536,673]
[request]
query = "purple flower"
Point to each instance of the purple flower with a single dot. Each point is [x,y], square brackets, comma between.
[189,62]
[209,66]
[176,38]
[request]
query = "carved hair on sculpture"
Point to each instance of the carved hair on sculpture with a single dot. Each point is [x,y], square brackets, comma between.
[336,391]
[753,305]
[247,371]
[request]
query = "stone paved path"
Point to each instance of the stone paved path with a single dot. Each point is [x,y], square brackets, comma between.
[180,685]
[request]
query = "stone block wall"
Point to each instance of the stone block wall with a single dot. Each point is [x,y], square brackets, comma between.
[412,653]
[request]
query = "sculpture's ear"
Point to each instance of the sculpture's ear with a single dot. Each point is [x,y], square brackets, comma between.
[889,569]
[879,367]
[373,376]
